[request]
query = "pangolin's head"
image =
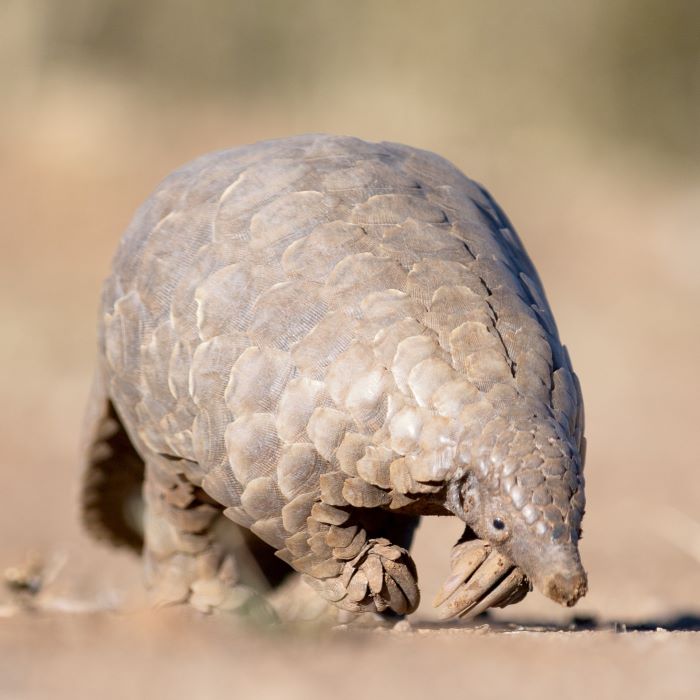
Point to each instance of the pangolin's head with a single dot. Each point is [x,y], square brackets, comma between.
[525,496]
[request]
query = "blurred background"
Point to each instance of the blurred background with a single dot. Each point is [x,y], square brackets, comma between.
[581,118]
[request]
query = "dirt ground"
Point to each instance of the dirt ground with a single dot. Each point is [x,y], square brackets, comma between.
[616,242]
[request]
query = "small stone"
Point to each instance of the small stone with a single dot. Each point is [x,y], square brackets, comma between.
[402,626]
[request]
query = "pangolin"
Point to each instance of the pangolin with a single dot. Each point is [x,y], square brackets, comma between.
[324,339]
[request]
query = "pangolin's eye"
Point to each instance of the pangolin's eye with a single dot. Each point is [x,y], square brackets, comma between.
[498,524]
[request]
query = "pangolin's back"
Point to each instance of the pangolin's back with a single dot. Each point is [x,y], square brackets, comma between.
[321,305]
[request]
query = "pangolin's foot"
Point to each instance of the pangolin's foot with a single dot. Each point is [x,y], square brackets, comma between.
[382,577]
[212,596]
[184,578]
[481,578]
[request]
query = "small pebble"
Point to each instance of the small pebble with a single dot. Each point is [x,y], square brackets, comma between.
[402,626]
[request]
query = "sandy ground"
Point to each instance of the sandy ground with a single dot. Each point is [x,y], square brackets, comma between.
[616,242]
[176,655]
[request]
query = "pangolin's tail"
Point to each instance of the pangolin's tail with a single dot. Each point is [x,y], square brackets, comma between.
[111,498]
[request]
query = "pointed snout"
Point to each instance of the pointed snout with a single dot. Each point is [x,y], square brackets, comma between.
[565,588]
[556,571]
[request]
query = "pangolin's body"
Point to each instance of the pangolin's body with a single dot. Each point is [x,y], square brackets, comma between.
[328,338]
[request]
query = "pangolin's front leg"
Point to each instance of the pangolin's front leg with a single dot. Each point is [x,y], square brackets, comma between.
[356,558]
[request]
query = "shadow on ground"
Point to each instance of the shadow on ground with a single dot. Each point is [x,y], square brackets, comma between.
[682,622]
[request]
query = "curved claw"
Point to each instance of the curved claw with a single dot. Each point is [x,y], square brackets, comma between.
[519,588]
[466,559]
[481,578]
[512,583]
